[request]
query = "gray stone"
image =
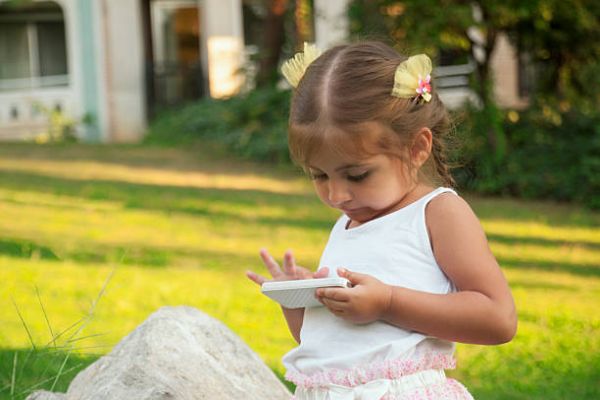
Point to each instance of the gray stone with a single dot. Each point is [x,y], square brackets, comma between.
[44,395]
[178,353]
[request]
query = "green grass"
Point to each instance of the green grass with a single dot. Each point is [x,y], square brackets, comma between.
[180,227]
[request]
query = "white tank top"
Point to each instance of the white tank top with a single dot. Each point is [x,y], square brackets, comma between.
[394,248]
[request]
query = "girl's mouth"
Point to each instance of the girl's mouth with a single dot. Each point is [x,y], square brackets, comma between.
[350,211]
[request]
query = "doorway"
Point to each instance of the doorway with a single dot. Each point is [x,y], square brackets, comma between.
[174,73]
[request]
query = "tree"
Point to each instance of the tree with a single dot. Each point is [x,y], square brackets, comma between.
[561,39]
[274,38]
[279,14]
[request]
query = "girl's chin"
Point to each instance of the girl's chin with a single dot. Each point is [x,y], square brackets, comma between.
[361,216]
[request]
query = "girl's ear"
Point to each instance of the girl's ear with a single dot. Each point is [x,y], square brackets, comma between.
[421,147]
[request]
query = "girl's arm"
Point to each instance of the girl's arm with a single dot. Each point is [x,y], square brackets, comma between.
[482,311]
[294,318]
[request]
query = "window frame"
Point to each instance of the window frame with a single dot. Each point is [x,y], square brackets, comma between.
[35,80]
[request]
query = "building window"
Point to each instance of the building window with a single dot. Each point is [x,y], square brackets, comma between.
[32,46]
[174,69]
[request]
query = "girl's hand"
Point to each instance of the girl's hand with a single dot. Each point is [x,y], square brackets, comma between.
[366,301]
[290,270]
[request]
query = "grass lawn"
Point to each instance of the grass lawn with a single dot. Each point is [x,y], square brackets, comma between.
[172,226]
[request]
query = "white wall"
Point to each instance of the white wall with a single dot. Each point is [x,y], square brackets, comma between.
[331,23]
[122,69]
[505,69]
[222,45]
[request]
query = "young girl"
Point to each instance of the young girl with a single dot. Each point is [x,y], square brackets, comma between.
[367,126]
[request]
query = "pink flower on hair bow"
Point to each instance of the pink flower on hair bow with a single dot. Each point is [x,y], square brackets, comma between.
[424,88]
[408,78]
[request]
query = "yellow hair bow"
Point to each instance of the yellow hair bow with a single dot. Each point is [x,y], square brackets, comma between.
[293,69]
[412,78]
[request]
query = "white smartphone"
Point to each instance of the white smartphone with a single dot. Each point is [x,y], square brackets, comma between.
[300,293]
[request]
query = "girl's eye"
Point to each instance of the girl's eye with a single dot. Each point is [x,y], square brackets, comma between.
[317,177]
[358,178]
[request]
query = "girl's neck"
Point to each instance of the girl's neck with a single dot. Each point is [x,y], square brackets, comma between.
[417,192]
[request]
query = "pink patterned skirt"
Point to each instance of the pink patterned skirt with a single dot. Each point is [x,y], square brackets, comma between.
[389,380]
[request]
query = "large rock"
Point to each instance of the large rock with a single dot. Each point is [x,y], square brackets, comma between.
[178,353]
[43,395]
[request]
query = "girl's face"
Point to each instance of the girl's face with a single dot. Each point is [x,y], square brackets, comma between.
[363,188]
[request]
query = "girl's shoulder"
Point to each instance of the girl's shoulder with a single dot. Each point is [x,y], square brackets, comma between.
[447,205]
[450,219]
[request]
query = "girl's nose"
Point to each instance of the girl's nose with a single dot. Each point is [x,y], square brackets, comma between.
[338,193]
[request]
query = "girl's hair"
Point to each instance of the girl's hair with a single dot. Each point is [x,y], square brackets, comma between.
[348,88]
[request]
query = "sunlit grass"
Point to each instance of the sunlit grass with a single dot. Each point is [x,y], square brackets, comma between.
[105,171]
[528,229]
[564,253]
[180,227]
[133,293]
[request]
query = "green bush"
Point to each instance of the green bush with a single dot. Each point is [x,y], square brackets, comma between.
[252,126]
[549,154]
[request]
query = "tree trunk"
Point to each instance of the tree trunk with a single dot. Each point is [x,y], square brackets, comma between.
[304,23]
[274,37]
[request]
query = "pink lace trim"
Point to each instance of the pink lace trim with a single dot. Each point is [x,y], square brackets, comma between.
[448,390]
[390,369]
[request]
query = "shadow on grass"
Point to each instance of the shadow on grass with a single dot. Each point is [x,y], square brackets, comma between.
[23,371]
[172,199]
[524,284]
[167,158]
[20,248]
[147,256]
[196,201]
[512,240]
[151,257]
[522,210]
[551,266]
[179,159]
[576,377]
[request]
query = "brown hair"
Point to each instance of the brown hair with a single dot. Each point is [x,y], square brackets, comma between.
[349,86]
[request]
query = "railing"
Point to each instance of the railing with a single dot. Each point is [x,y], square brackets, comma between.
[453,76]
[452,83]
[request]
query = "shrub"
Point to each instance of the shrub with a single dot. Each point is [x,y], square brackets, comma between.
[550,155]
[252,126]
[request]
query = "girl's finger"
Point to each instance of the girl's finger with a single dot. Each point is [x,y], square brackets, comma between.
[289,264]
[337,312]
[336,294]
[322,273]
[334,304]
[255,277]
[270,263]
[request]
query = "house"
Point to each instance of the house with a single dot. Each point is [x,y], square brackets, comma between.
[109,61]
[114,63]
